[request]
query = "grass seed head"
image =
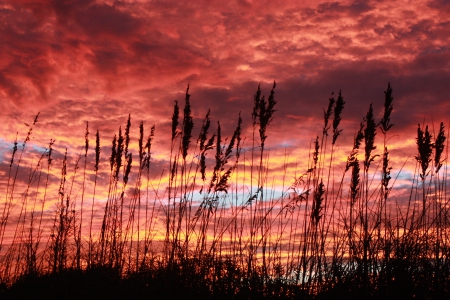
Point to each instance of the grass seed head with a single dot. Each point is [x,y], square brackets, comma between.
[317,203]
[425,149]
[175,116]
[354,184]
[204,131]
[128,168]
[256,100]
[439,148]
[356,144]
[386,170]
[141,142]
[127,135]
[369,137]
[338,108]
[97,150]
[86,140]
[316,151]
[14,151]
[112,159]
[188,125]
[388,107]
[266,111]
[119,152]
[50,150]
[327,114]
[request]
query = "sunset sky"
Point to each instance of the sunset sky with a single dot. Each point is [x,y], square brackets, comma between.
[100,60]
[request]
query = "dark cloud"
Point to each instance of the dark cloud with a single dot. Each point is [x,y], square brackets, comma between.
[99,20]
[440,4]
[67,10]
[106,61]
[354,9]
[11,90]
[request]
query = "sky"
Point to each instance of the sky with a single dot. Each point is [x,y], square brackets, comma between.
[99,61]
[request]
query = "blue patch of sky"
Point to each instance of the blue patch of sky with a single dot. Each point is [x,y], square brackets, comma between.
[241,198]
[39,149]
[6,148]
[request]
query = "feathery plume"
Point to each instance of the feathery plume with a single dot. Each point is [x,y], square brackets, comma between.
[439,146]
[327,114]
[388,107]
[369,138]
[97,150]
[354,183]
[188,125]
[175,116]
[425,148]
[339,107]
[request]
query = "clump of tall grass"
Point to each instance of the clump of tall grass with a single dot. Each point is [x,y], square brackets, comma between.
[215,228]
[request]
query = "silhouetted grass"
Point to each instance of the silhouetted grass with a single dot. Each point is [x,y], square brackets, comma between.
[216,230]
